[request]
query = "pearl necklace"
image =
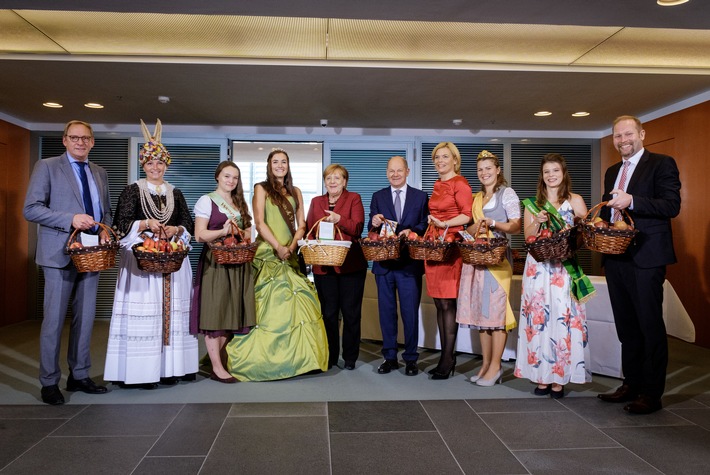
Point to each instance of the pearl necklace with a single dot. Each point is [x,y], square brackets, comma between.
[150,209]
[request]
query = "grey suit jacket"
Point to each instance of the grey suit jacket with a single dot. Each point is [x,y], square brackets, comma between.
[53,198]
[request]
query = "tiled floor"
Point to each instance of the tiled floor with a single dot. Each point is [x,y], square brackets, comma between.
[575,435]
[487,430]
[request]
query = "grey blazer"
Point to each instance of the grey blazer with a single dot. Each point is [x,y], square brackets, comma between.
[53,198]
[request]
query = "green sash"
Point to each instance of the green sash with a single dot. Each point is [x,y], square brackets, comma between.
[581,287]
[231,212]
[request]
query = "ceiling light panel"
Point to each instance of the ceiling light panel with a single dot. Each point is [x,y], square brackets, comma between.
[453,41]
[646,47]
[154,34]
[18,36]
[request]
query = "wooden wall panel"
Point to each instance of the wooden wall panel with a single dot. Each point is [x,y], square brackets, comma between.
[685,135]
[14,258]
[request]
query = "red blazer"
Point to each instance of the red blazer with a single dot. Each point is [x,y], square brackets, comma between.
[352,221]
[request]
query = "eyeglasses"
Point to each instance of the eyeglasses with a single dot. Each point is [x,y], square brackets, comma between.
[75,138]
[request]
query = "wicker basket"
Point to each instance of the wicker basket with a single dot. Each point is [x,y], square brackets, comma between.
[437,250]
[159,262]
[94,258]
[561,245]
[490,253]
[518,265]
[606,240]
[242,253]
[323,253]
[382,250]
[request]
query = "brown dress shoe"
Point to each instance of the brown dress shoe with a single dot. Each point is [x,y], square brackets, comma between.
[644,405]
[623,393]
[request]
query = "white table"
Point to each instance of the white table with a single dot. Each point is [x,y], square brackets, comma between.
[605,349]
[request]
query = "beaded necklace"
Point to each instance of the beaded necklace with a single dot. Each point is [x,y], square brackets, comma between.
[150,209]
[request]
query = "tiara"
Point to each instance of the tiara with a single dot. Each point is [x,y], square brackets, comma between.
[485,154]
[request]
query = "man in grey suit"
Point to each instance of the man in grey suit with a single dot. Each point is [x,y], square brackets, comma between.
[67,193]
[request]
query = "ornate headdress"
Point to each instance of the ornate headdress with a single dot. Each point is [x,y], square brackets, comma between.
[153,149]
[485,154]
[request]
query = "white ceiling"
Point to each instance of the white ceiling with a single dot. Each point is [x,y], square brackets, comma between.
[365,64]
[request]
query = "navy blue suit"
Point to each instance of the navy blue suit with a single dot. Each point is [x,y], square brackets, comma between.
[401,277]
[636,277]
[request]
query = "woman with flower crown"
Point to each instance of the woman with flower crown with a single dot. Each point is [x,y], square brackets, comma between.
[138,353]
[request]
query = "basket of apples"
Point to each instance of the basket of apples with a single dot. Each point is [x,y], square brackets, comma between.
[482,250]
[236,248]
[93,258]
[159,254]
[600,236]
[323,252]
[547,245]
[436,245]
[382,246]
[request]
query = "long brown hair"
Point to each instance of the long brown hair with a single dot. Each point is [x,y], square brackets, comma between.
[566,185]
[237,193]
[271,184]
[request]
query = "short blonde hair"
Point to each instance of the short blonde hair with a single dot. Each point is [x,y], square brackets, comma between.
[454,152]
[335,167]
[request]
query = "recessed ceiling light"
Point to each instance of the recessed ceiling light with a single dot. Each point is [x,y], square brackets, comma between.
[53,105]
[525,140]
[495,140]
[543,113]
[671,3]
[580,114]
[93,105]
[457,122]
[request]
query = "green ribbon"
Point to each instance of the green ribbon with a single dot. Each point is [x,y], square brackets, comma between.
[581,287]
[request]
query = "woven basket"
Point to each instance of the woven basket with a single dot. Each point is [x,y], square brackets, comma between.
[490,253]
[159,262]
[323,252]
[94,258]
[437,250]
[381,250]
[606,240]
[561,245]
[242,253]
[518,265]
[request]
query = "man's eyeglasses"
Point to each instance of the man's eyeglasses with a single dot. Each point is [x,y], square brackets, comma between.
[75,138]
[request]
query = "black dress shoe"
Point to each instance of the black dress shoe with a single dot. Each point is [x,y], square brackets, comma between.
[411,369]
[624,393]
[169,381]
[644,405]
[148,386]
[189,377]
[52,395]
[542,391]
[349,365]
[388,366]
[85,385]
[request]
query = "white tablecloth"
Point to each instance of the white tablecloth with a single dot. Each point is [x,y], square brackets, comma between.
[605,349]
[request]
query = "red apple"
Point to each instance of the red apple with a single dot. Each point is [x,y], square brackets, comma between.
[545,234]
[530,239]
[412,236]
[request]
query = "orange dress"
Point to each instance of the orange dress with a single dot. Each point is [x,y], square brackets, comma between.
[449,199]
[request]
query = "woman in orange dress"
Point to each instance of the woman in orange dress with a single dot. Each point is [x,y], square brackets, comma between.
[450,207]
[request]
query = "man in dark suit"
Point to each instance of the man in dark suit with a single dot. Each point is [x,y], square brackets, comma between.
[65,194]
[401,277]
[647,187]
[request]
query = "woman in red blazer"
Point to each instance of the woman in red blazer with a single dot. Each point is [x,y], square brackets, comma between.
[340,289]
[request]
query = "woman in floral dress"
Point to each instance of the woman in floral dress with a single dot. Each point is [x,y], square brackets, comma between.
[552,338]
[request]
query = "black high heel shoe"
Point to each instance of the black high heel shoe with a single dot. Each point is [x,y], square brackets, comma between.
[438,374]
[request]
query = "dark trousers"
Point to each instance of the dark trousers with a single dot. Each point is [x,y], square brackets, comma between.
[409,289]
[342,293]
[637,301]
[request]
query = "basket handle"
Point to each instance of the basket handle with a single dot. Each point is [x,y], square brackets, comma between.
[308,234]
[594,210]
[111,233]
[432,227]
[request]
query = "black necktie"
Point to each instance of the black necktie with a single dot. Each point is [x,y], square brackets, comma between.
[85,190]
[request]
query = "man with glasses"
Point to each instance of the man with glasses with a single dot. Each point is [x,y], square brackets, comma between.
[66,193]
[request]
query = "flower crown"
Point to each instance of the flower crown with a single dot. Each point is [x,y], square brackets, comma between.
[153,149]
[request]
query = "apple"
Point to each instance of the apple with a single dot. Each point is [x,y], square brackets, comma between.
[412,236]
[173,245]
[601,224]
[373,236]
[620,225]
[449,238]
[530,239]
[481,241]
[76,245]
[148,243]
[230,241]
[545,234]
[140,248]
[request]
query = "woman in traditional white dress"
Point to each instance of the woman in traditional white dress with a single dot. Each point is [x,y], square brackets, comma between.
[553,347]
[139,354]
